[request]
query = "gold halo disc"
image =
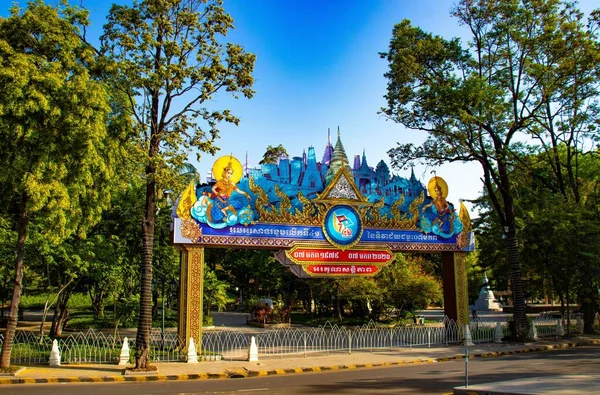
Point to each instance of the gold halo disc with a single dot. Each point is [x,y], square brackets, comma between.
[439,181]
[222,162]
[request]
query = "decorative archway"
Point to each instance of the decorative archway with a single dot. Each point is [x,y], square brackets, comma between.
[333,232]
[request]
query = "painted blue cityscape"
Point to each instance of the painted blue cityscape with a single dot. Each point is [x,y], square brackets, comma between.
[307,175]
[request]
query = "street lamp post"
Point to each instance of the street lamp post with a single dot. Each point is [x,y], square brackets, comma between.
[162,332]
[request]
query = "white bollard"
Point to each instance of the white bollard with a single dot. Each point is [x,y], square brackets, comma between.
[253,351]
[533,335]
[55,354]
[560,330]
[192,356]
[468,340]
[579,325]
[499,333]
[124,356]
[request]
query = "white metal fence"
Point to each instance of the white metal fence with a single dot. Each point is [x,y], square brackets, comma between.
[97,347]
[87,347]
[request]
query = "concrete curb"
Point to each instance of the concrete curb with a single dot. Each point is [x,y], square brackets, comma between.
[243,373]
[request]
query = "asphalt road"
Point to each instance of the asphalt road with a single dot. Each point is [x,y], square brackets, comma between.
[408,379]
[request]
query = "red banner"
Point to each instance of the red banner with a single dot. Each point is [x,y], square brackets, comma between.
[368,270]
[318,255]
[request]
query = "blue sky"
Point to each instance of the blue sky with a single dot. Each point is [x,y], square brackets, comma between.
[318,67]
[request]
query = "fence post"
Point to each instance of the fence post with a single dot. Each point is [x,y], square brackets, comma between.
[124,356]
[192,356]
[428,337]
[533,335]
[253,351]
[391,339]
[499,333]
[468,340]
[55,354]
[579,325]
[446,331]
[560,331]
[305,344]
[349,342]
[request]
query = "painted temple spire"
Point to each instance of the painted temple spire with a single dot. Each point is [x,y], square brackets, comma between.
[338,159]
[413,179]
[328,149]
[356,164]
[364,164]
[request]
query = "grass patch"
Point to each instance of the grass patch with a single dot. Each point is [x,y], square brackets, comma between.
[10,370]
[77,301]
[80,320]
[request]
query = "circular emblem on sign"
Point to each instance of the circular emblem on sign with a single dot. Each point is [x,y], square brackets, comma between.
[342,226]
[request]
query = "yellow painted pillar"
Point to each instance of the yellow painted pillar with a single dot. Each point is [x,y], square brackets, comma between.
[456,290]
[191,283]
[462,288]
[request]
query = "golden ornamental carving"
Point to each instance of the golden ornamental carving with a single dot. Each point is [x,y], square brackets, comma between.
[196,271]
[464,238]
[313,211]
[284,214]
[191,230]
[397,219]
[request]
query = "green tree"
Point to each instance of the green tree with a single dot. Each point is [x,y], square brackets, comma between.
[272,154]
[479,104]
[406,287]
[171,63]
[359,292]
[558,236]
[215,293]
[53,131]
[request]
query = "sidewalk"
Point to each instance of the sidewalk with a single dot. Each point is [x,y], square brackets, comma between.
[273,366]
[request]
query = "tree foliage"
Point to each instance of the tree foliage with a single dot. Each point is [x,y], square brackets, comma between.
[559,236]
[406,287]
[517,78]
[170,62]
[53,131]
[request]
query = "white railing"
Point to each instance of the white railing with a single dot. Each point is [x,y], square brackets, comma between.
[88,347]
[327,339]
[225,344]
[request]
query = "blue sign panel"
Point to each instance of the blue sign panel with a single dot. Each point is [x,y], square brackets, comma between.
[320,203]
[342,226]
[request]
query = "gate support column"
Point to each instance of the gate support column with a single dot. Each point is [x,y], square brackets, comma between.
[191,283]
[456,291]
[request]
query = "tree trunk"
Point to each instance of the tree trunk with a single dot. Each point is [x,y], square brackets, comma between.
[588,306]
[97,297]
[54,320]
[142,340]
[61,315]
[47,307]
[154,303]
[516,284]
[63,318]
[13,315]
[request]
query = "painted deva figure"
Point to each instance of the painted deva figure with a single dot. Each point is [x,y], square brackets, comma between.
[439,216]
[223,204]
